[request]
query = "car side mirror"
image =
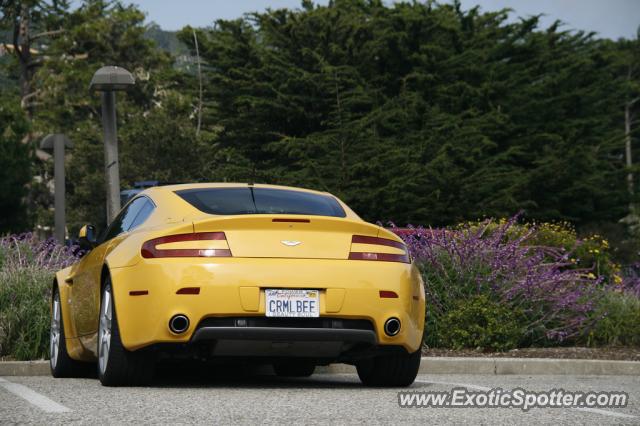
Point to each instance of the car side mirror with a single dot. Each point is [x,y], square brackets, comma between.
[87,237]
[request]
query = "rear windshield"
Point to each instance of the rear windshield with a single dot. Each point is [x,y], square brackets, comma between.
[231,201]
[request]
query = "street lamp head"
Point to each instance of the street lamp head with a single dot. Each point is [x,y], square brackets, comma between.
[111,78]
[48,141]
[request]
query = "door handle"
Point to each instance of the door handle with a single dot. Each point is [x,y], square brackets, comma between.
[69,279]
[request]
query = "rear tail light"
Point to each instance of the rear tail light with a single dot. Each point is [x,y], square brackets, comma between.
[376,241]
[150,248]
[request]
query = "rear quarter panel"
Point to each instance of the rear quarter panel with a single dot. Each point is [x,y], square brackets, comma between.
[74,347]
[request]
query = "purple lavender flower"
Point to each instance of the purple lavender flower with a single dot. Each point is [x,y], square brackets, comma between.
[496,259]
[26,250]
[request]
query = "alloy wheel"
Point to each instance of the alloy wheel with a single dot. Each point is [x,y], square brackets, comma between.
[104,335]
[54,341]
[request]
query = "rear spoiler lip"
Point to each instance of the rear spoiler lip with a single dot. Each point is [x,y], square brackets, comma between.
[375,230]
[204,216]
[277,218]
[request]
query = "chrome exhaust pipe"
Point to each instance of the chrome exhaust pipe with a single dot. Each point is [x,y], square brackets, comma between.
[178,324]
[392,327]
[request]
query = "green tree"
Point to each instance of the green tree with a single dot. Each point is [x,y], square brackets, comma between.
[29,25]
[420,112]
[15,166]
[411,112]
[156,130]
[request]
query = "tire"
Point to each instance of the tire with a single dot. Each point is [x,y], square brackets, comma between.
[61,364]
[294,368]
[116,365]
[389,370]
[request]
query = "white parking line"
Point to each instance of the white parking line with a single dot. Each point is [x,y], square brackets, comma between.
[606,413]
[462,385]
[33,397]
[484,388]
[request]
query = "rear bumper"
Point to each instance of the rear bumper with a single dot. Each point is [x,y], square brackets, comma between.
[234,287]
[286,330]
[266,342]
[276,334]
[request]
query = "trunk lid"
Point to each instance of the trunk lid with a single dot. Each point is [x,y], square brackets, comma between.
[287,236]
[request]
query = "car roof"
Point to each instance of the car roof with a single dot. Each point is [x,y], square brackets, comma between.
[167,197]
[179,187]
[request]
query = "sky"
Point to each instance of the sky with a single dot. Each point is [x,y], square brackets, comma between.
[609,18]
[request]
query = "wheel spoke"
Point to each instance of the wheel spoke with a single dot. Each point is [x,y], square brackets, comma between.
[55,331]
[104,337]
[107,306]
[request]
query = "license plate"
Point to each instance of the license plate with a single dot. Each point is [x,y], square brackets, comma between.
[292,303]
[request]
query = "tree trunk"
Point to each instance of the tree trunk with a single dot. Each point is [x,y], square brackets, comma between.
[24,58]
[627,146]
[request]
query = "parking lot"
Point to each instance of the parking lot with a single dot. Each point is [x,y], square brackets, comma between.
[323,398]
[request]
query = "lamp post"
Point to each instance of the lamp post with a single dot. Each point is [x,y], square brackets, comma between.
[108,80]
[57,143]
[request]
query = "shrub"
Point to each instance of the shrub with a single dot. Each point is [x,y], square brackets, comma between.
[630,282]
[27,267]
[591,252]
[490,285]
[24,316]
[481,323]
[500,262]
[618,320]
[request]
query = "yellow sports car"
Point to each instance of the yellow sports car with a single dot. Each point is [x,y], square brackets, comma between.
[271,274]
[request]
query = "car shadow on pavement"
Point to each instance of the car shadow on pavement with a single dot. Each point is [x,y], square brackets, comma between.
[203,375]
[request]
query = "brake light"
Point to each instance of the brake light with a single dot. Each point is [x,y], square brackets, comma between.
[384,257]
[150,248]
[291,220]
[189,290]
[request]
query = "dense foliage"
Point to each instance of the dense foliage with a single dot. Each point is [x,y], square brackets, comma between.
[504,285]
[489,285]
[413,112]
[27,266]
[15,167]
[422,113]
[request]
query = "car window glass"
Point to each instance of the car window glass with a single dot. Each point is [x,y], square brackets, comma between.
[233,201]
[125,218]
[143,214]
[274,201]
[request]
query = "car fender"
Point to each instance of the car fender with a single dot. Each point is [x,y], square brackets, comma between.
[74,347]
[125,248]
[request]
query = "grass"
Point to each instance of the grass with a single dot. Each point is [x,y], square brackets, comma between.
[24,316]
[27,268]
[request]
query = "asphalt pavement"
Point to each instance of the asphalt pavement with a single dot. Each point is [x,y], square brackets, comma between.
[321,399]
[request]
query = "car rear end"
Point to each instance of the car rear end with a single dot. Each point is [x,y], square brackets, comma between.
[328,287]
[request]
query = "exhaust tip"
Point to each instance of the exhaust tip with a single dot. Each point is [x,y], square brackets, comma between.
[178,324]
[392,327]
